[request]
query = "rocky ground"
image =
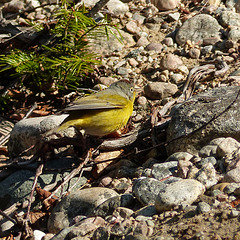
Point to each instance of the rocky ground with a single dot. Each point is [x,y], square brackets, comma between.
[177,174]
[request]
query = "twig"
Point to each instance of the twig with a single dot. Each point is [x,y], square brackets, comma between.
[71,175]
[8,217]
[100,4]
[10,210]
[34,106]
[223,68]
[4,140]
[194,75]
[166,107]
[204,5]
[110,145]
[38,173]
[234,78]
[18,34]
[80,175]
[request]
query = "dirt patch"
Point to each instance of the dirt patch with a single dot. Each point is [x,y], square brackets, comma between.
[219,223]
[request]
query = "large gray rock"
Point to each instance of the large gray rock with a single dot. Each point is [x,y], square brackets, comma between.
[183,192]
[199,111]
[102,45]
[116,7]
[233,3]
[197,29]
[234,33]
[27,133]
[82,202]
[229,18]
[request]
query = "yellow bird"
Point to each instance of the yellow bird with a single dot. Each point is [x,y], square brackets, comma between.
[104,112]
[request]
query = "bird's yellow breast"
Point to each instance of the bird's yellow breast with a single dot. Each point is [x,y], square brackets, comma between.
[99,122]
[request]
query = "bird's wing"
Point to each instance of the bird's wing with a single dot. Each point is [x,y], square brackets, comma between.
[98,101]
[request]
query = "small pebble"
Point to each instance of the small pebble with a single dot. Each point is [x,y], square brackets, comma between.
[142,42]
[215,192]
[177,77]
[133,62]
[222,197]
[185,191]
[170,62]
[132,27]
[194,53]
[168,41]
[142,100]
[234,213]
[203,207]
[157,47]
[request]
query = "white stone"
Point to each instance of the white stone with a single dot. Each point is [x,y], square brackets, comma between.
[183,192]
[227,146]
[207,175]
[26,133]
[90,3]
[117,7]
[38,235]
[177,77]
[165,4]
[232,176]
[183,69]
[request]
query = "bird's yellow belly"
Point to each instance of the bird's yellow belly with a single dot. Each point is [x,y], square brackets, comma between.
[98,122]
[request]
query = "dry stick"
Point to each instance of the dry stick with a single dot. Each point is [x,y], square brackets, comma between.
[8,217]
[100,4]
[9,210]
[18,34]
[4,140]
[195,74]
[38,173]
[166,107]
[220,68]
[111,145]
[204,5]
[25,223]
[70,176]
[34,106]
[80,175]
[21,165]
[223,70]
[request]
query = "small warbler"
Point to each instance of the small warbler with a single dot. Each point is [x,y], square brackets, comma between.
[104,112]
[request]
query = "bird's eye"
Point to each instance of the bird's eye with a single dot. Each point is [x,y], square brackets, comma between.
[131,90]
